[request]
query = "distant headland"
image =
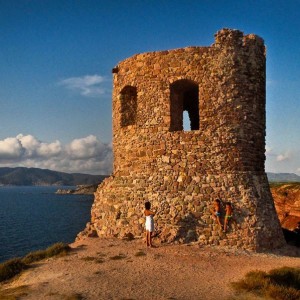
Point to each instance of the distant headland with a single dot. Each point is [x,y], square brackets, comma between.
[79,190]
[283,177]
[22,176]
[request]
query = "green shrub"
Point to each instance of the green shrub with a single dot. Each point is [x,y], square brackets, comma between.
[15,266]
[54,250]
[254,282]
[11,268]
[286,276]
[14,293]
[279,292]
[278,284]
[34,256]
[58,249]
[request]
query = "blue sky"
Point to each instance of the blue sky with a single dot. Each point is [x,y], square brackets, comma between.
[55,71]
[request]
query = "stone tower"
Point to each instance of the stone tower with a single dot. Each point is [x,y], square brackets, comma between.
[181,172]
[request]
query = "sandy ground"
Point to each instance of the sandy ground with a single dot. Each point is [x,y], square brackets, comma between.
[115,269]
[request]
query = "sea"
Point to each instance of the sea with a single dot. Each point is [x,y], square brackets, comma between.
[34,218]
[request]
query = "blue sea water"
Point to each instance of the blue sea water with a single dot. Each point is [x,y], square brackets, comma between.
[33,218]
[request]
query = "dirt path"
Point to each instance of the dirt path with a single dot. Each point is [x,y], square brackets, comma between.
[116,269]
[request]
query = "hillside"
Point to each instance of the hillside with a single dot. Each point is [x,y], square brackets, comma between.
[32,176]
[283,177]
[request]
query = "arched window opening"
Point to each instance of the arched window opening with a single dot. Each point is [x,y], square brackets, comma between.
[184,98]
[128,98]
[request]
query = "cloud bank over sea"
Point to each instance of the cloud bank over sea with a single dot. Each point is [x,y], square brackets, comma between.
[83,155]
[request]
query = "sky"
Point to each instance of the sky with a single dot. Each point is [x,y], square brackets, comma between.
[56,59]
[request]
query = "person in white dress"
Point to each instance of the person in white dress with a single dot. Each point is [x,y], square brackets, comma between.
[149,224]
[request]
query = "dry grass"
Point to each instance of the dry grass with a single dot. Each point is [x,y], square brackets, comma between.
[11,268]
[287,185]
[75,296]
[58,249]
[89,258]
[15,266]
[14,293]
[278,284]
[94,259]
[118,257]
[140,253]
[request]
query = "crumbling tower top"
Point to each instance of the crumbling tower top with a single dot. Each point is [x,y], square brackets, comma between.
[222,88]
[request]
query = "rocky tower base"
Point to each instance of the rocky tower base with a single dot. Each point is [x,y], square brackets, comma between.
[184,215]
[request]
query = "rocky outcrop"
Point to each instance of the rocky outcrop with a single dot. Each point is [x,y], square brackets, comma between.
[287,203]
[80,190]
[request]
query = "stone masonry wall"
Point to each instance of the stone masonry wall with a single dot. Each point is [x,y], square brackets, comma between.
[182,172]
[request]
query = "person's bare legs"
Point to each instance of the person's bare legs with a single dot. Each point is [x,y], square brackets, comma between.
[147,238]
[150,239]
[225,224]
[219,221]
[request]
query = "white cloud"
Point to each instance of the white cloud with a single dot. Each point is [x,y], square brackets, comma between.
[35,148]
[279,157]
[283,157]
[87,147]
[48,150]
[88,85]
[29,143]
[10,148]
[84,155]
[285,161]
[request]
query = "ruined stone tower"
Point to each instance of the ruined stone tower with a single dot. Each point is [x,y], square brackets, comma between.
[222,88]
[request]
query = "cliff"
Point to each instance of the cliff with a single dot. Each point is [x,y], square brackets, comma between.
[287,203]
